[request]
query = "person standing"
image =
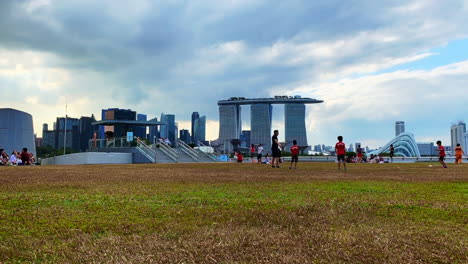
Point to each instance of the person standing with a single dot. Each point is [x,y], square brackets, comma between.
[340,149]
[252,153]
[259,155]
[294,154]
[459,154]
[275,151]
[392,152]
[441,150]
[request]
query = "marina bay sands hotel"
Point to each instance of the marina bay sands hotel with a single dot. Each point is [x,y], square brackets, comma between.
[230,121]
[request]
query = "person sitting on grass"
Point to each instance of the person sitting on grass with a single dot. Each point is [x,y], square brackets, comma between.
[3,157]
[294,154]
[267,159]
[25,157]
[14,158]
[441,150]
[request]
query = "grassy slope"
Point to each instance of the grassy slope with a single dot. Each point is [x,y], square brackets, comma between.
[234,213]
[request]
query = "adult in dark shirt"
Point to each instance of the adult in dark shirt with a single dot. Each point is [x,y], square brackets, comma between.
[275,151]
[25,157]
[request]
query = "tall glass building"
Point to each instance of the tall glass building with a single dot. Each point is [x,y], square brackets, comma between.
[195,116]
[169,130]
[295,128]
[260,124]
[457,133]
[230,124]
[200,129]
[399,128]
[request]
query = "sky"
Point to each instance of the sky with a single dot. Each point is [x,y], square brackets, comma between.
[372,62]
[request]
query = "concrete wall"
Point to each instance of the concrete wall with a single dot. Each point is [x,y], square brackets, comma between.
[89,158]
[16,131]
[137,156]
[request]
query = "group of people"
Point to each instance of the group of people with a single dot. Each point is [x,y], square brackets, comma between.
[17,158]
[340,149]
[276,149]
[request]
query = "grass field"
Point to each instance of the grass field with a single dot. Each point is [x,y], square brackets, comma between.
[234,213]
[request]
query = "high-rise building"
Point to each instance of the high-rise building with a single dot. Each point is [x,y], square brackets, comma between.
[399,127]
[465,147]
[245,138]
[457,132]
[48,136]
[260,124]
[295,128]
[195,116]
[86,131]
[200,129]
[168,130]
[67,132]
[140,131]
[119,130]
[153,132]
[318,148]
[426,148]
[261,118]
[230,124]
[184,135]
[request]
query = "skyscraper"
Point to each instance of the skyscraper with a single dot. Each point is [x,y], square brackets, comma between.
[153,132]
[457,132]
[195,116]
[295,124]
[169,130]
[200,129]
[185,136]
[86,130]
[399,127]
[260,124]
[140,131]
[119,130]
[230,124]
[70,126]
[245,138]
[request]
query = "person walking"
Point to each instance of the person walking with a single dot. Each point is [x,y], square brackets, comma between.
[294,154]
[441,150]
[392,152]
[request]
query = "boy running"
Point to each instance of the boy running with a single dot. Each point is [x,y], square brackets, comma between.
[459,154]
[340,149]
[294,154]
[441,151]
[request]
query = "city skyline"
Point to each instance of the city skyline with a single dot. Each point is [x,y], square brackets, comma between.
[371,64]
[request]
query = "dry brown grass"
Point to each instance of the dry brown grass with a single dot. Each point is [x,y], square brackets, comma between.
[234,213]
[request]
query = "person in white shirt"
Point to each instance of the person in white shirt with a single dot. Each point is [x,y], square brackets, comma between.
[259,155]
[13,158]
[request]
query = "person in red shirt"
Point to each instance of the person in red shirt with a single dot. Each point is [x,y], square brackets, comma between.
[441,150]
[252,153]
[240,158]
[294,154]
[340,149]
[25,157]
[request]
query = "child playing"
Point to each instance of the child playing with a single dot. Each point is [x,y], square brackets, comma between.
[441,151]
[459,154]
[340,149]
[294,154]
[240,158]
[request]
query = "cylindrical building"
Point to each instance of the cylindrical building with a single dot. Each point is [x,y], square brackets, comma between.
[16,131]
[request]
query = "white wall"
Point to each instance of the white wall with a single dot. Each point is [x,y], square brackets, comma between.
[89,158]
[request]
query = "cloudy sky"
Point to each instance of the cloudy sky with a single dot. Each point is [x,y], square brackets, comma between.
[372,62]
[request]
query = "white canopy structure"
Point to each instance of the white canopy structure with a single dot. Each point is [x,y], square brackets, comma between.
[405,145]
